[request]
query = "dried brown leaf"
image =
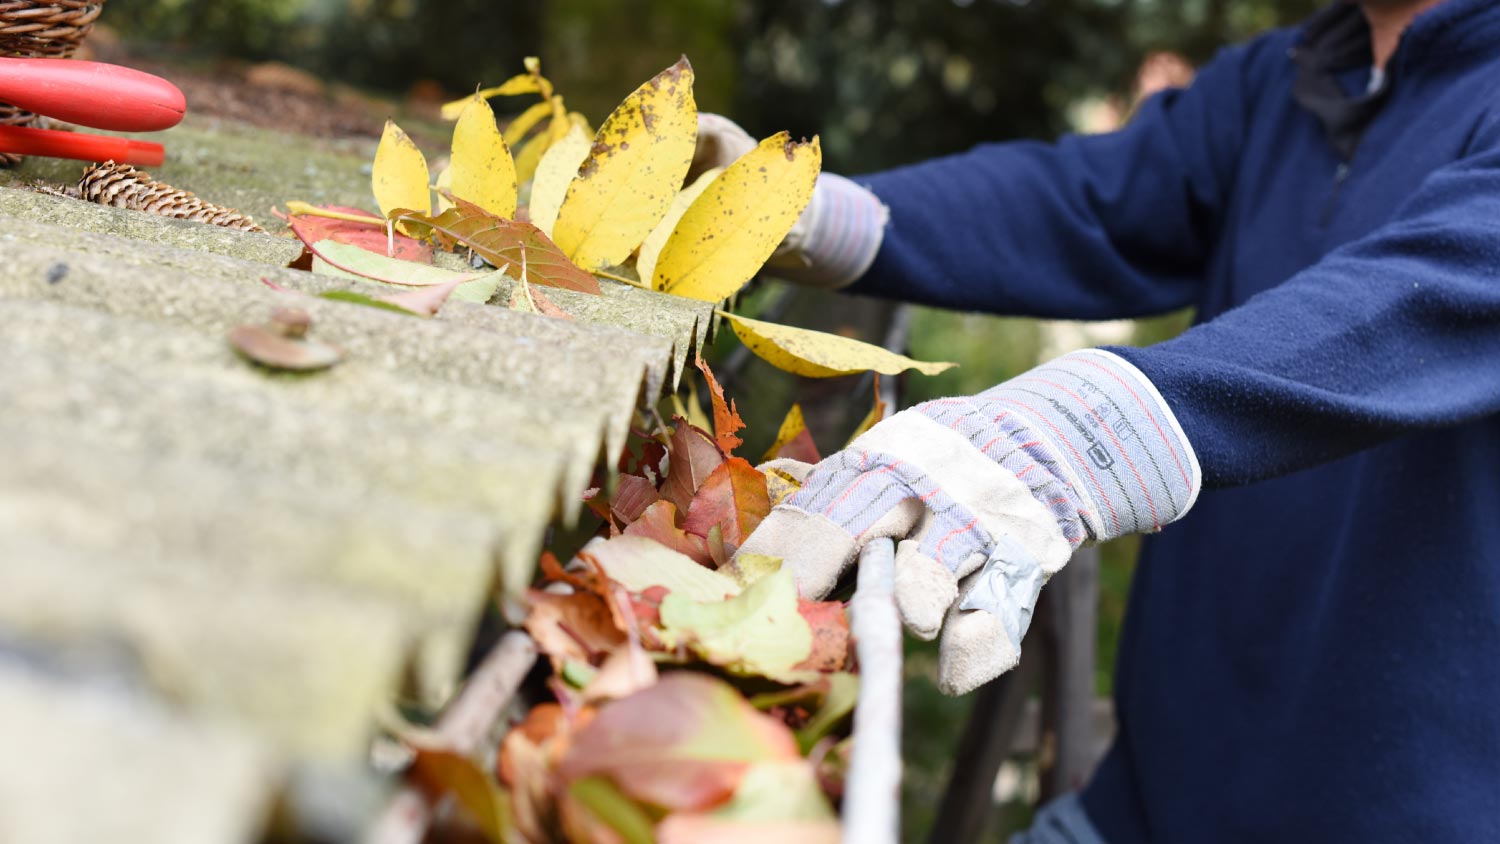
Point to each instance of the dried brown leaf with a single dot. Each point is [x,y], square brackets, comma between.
[503,243]
[693,456]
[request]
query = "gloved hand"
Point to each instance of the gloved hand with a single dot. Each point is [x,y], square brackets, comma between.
[839,233]
[988,496]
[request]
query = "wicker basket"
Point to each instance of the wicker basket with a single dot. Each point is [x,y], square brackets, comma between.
[41,29]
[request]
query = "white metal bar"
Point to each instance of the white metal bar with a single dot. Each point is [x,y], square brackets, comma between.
[872,793]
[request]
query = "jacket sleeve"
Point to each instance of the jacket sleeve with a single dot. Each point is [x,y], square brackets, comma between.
[1091,227]
[1394,333]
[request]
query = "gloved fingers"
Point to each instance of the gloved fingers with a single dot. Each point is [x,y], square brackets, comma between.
[905,519]
[955,537]
[924,590]
[984,627]
[973,651]
[720,142]
[813,548]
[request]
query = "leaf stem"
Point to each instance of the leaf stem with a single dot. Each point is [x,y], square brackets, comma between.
[622,279]
[297,208]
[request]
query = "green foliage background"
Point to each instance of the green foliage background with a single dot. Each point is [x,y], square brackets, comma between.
[884,82]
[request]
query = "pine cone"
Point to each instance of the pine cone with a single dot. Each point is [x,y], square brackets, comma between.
[123,186]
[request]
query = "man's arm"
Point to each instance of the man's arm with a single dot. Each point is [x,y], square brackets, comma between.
[1091,227]
[1394,333]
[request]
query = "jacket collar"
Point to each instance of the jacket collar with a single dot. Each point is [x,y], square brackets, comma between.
[1337,39]
[1451,31]
[1454,29]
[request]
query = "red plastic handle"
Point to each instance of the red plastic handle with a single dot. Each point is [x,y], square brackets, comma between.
[76,145]
[103,96]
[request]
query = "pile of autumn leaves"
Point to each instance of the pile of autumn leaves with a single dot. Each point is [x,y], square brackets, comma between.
[697,699]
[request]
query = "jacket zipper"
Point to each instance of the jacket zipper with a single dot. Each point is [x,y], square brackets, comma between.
[1340,176]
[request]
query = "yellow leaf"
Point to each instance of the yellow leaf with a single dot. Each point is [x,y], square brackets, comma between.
[578,119]
[645,263]
[523,83]
[634,170]
[818,355]
[534,68]
[517,129]
[780,486]
[444,184]
[530,82]
[400,178]
[560,124]
[530,157]
[553,175]
[722,241]
[482,170]
[876,414]
[792,425]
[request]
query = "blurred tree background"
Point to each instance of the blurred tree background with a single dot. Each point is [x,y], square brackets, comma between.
[884,82]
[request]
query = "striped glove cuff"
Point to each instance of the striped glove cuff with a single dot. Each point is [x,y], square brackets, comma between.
[837,238]
[1109,437]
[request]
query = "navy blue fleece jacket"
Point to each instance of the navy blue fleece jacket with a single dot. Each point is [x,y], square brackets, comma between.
[1313,653]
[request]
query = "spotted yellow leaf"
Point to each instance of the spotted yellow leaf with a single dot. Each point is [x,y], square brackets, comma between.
[725,237]
[482,170]
[645,263]
[554,173]
[634,170]
[818,355]
[400,178]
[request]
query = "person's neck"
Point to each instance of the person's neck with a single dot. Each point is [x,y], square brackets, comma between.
[1388,19]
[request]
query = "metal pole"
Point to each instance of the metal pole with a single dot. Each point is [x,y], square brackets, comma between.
[872,794]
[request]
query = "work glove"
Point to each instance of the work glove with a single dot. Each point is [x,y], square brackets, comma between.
[838,235]
[988,497]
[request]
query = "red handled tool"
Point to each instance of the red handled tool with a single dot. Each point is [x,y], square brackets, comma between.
[103,96]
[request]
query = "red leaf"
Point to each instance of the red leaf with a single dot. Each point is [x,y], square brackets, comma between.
[502,242]
[659,522]
[733,498]
[801,447]
[693,456]
[371,236]
[631,499]
[830,628]
[424,301]
[682,745]
[726,418]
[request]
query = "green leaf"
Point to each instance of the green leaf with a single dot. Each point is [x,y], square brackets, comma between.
[363,263]
[638,563]
[361,299]
[759,631]
[839,698]
[613,809]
